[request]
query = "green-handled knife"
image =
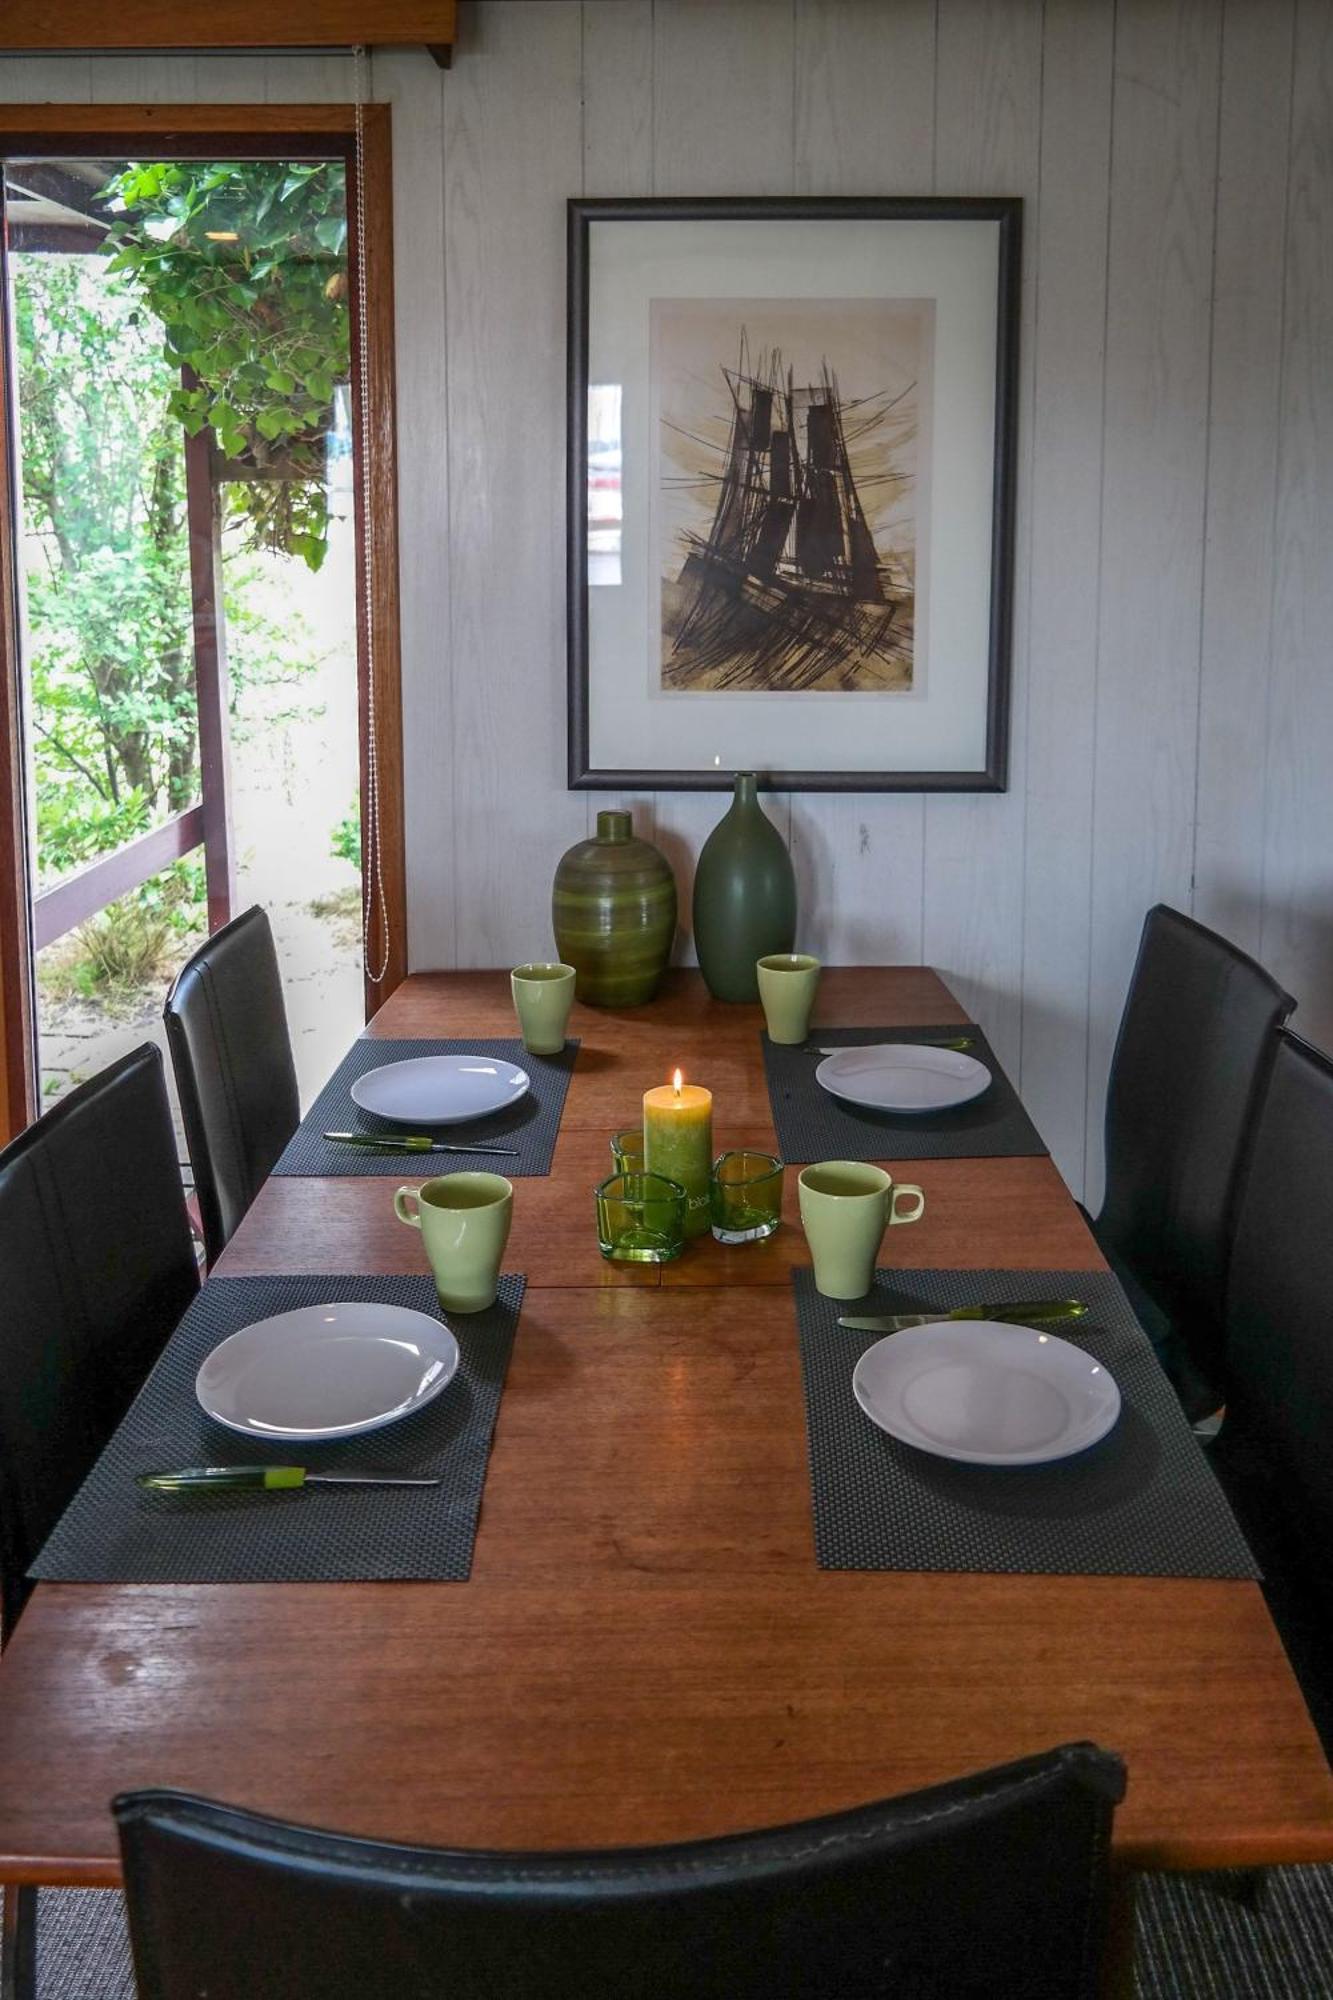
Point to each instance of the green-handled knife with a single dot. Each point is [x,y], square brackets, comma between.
[411,1143]
[1028,1312]
[262,1478]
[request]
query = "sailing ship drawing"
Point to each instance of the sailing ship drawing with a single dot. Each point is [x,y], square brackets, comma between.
[786,589]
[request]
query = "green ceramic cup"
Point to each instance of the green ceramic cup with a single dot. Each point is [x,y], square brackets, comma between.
[543,996]
[788,981]
[845,1208]
[464,1222]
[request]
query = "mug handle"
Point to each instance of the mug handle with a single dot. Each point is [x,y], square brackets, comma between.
[411,1216]
[906,1187]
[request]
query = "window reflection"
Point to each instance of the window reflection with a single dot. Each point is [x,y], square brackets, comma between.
[604,504]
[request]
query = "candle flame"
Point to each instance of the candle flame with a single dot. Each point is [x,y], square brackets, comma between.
[676,1082]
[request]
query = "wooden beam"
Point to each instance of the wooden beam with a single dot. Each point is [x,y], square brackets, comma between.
[18,1081]
[81,896]
[376,488]
[90,26]
[203,515]
[258,131]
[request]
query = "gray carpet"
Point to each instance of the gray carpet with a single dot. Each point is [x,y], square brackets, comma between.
[1195,1942]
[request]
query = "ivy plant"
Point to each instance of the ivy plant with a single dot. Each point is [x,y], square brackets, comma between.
[244,262]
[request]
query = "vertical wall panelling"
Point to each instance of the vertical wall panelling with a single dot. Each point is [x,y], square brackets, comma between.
[865,124]
[1067,241]
[988,127]
[46,79]
[722,124]
[618,160]
[512,152]
[232,80]
[329,78]
[1298,874]
[146,79]
[1235,658]
[1163,165]
[414,89]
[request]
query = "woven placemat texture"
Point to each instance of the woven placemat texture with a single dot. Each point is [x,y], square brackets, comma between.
[1143,1502]
[814,1125]
[532,1125]
[114,1532]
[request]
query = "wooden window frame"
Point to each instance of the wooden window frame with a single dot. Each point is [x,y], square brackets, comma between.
[239,131]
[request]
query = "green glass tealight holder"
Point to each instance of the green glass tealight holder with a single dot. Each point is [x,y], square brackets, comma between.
[627,1149]
[745,1196]
[640,1219]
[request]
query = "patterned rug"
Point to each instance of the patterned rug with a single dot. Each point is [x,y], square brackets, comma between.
[1195,1942]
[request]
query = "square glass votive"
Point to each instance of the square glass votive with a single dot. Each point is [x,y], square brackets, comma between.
[745,1196]
[627,1149]
[640,1219]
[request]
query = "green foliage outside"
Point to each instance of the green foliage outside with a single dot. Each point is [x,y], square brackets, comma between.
[244,265]
[234,273]
[345,844]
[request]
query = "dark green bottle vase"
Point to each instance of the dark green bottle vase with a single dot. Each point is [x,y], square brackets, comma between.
[744,896]
[614,911]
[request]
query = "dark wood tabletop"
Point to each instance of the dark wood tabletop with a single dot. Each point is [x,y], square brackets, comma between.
[646,1650]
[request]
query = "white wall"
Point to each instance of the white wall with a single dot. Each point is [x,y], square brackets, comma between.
[1173,692]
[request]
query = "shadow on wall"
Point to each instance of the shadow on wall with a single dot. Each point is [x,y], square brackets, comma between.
[680,854]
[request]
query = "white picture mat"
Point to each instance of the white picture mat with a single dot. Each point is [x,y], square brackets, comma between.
[942,724]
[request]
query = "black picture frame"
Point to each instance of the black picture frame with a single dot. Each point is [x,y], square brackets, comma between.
[1007,213]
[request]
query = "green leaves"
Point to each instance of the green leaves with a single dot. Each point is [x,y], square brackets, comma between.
[244,264]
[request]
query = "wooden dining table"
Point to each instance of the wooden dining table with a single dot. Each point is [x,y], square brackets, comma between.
[646,1649]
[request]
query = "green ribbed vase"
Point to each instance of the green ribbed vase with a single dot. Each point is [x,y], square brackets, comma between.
[744,896]
[614,911]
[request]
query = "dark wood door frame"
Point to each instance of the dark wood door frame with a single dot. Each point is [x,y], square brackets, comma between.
[238,131]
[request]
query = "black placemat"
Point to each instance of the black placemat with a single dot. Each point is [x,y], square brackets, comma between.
[1143,1502]
[532,1125]
[813,1125]
[114,1532]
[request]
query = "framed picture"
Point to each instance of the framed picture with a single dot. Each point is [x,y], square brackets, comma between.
[791,467]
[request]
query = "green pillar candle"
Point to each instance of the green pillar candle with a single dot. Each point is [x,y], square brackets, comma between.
[678,1142]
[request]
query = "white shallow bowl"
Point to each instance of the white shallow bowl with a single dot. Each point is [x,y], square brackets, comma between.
[327,1371]
[986,1392]
[440,1090]
[905,1077]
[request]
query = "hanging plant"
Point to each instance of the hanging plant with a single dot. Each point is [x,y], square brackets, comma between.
[245,264]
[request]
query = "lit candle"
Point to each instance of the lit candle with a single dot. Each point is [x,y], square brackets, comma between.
[678,1142]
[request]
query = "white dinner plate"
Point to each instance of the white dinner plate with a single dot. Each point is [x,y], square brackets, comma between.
[903,1077]
[986,1392]
[440,1090]
[327,1371]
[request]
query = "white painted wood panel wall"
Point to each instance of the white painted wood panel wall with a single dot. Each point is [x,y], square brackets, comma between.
[1173,684]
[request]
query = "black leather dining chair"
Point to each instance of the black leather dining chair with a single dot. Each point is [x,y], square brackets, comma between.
[96,1267]
[235,1078]
[993,1884]
[1275,1449]
[1191,1059]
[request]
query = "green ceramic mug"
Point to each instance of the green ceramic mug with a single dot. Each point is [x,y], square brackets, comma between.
[846,1206]
[787,984]
[464,1222]
[543,996]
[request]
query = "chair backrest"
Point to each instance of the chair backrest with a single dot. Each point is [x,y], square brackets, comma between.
[232,1055]
[96,1267]
[994,1884]
[1196,1040]
[1279,1332]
